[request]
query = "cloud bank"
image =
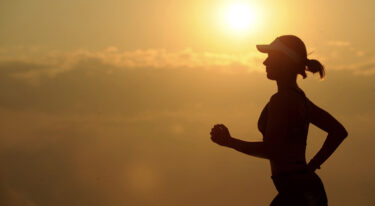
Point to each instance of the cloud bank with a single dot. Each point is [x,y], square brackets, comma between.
[132,128]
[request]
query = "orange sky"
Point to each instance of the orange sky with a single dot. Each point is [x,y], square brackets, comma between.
[111,102]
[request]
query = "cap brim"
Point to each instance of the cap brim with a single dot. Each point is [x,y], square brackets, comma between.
[264,48]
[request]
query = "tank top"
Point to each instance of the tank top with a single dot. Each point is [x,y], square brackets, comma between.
[292,148]
[298,126]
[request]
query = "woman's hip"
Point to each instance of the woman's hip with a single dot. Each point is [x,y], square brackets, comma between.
[301,187]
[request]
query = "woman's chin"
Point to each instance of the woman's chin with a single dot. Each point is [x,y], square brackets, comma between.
[270,77]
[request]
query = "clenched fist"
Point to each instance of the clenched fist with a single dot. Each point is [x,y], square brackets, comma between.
[220,135]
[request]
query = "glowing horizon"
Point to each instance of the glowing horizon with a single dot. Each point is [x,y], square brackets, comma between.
[112,102]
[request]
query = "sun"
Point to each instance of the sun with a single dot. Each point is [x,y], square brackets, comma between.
[240,17]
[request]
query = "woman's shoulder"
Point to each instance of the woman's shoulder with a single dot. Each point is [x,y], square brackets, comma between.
[281,96]
[279,101]
[287,97]
[285,93]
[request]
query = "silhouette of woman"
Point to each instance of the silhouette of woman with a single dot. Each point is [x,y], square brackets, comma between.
[284,124]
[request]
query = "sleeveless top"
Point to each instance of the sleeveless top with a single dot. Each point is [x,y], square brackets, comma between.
[297,129]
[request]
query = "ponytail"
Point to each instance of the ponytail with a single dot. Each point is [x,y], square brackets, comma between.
[314,66]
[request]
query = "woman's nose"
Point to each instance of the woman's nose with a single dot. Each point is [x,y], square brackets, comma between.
[265,62]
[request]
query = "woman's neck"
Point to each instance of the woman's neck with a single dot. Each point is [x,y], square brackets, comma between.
[287,84]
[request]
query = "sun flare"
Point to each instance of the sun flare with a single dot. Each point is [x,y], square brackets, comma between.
[240,17]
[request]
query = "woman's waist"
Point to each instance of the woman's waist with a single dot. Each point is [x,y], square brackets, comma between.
[288,166]
[285,151]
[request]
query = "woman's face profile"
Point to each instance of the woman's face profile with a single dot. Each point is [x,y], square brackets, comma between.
[277,64]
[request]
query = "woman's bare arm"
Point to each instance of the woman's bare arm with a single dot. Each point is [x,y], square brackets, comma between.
[220,135]
[336,134]
[256,149]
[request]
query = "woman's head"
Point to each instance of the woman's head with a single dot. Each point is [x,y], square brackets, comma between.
[287,57]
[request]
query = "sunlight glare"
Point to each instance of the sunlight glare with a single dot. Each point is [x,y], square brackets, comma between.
[240,17]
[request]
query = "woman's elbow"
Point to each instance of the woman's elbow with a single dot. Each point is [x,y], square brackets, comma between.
[341,133]
[345,133]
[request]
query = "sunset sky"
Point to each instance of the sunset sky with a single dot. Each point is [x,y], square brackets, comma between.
[111,102]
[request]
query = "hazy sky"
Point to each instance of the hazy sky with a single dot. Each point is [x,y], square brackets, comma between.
[111,102]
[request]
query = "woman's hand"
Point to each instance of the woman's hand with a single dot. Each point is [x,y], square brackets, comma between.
[220,135]
[312,166]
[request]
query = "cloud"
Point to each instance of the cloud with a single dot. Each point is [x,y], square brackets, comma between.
[366,67]
[339,43]
[55,62]
[343,56]
[117,82]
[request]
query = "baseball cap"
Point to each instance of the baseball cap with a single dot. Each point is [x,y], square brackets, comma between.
[290,45]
